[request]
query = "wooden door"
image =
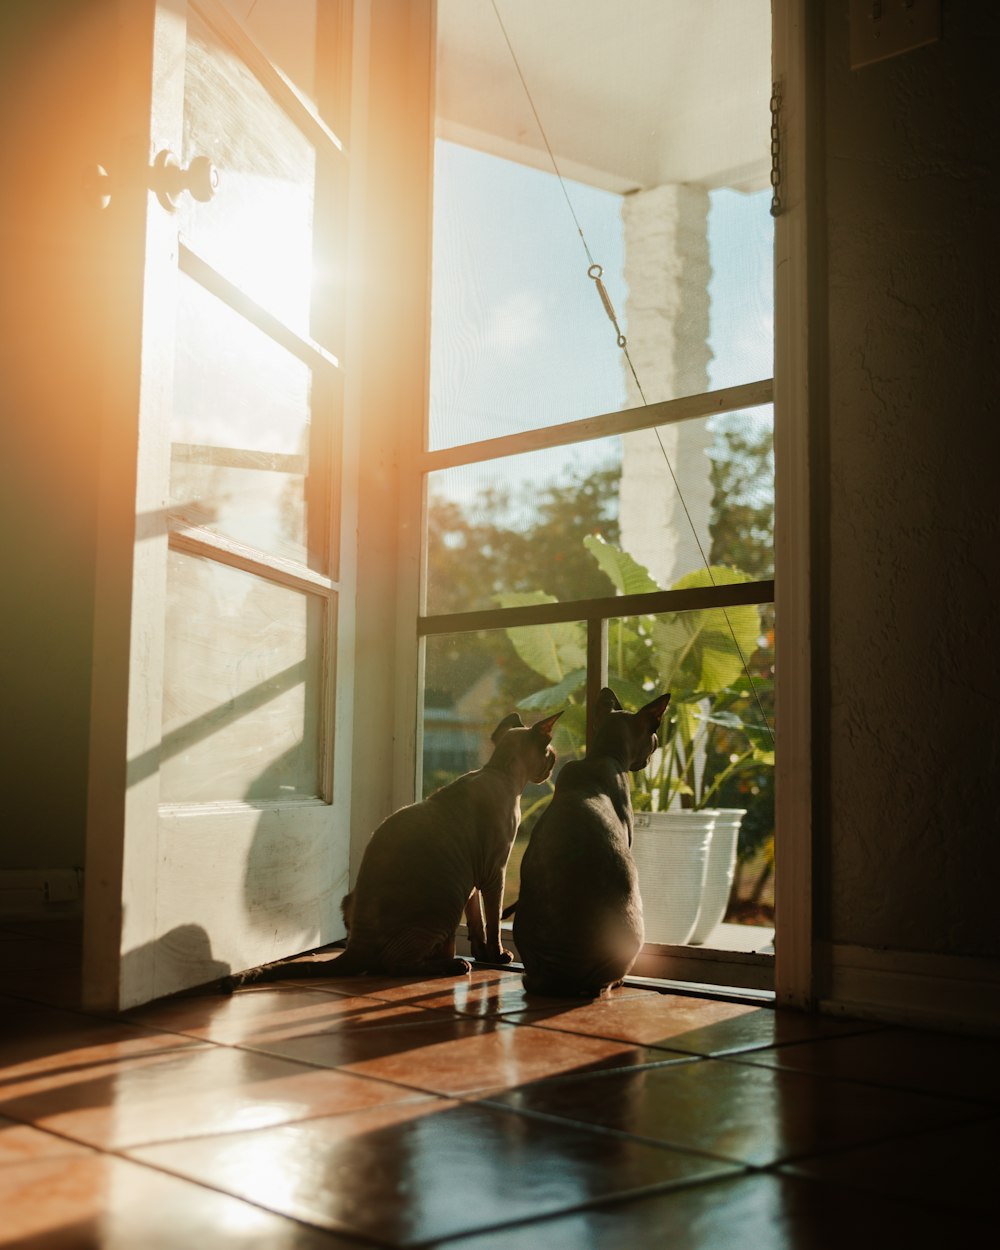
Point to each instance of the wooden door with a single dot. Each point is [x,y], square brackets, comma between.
[217,824]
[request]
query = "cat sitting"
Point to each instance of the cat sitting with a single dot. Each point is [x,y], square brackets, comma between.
[428,861]
[578,921]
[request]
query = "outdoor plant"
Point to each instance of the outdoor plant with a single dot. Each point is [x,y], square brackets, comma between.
[714,731]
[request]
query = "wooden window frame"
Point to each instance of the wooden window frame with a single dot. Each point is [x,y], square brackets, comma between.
[392,617]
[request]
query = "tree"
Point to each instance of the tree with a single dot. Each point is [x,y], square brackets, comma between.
[525,540]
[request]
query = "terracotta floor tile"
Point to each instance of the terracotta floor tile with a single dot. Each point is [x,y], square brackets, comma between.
[694,1025]
[20,1143]
[755,1115]
[960,1067]
[43,1047]
[459,1057]
[484,992]
[950,1167]
[405,1175]
[206,1089]
[649,1018]
[759,1212]
[272,1013]
[110,1203]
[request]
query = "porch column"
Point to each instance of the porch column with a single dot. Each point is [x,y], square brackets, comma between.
[667,270]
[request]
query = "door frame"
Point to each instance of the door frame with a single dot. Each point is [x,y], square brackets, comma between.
[388,613]
[798,388]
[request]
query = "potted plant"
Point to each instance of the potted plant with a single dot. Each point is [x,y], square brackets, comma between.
[685,845]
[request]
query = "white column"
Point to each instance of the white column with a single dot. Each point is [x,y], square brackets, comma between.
[667,271]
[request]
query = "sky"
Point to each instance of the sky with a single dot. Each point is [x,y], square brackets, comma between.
[519,337]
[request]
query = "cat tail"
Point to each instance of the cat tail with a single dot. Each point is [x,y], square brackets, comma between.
[349,964]
[508,911]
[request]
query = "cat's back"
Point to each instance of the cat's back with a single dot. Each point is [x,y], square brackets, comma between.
[580,845]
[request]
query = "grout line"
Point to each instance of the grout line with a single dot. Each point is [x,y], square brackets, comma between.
[922,1091]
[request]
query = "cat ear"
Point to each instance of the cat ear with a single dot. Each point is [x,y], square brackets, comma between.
[654,710]
[513,721]
[544,727]
[607,701]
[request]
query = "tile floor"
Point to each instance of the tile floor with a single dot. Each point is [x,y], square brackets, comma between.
[351,1113]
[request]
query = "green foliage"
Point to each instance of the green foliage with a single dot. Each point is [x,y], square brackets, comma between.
[564,537]
[742,525]
[701,657]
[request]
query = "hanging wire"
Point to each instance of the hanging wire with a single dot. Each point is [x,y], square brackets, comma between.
[595,272]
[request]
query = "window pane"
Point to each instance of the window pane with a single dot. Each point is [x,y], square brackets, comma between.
[716,757]
[240,433]
[257,231]
[241,686]
[657,118]
[286,31]
[527,524]
[472,682]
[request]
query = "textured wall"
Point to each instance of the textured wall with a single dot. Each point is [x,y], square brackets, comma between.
[53,61]
[909,835]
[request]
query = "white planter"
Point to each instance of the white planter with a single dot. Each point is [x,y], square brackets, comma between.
[720,871]
[671,852]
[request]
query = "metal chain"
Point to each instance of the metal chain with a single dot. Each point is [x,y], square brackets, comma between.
[776,204]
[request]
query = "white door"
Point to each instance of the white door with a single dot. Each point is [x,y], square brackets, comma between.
[217,823]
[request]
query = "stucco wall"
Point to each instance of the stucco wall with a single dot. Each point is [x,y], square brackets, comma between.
[908,729]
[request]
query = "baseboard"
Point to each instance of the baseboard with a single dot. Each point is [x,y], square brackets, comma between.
[953,992]
[40,893]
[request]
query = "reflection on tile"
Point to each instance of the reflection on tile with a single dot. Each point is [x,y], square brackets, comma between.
[426,1170]
[20,1143]
[961,1067]
[484,992]
[745,1213]
[949,1167]
[755,1115]
[269,1014]
[647,1018]
[460,1056]
[102,1201]
[698,1026]
[175,1094]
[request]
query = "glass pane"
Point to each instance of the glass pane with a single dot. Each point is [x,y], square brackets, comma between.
[657,118]
[472,682]
[241,686]
[715,766]
[240,432]
[540,523]
[257,231]
[285,30]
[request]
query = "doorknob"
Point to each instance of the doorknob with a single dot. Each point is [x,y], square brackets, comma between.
[170,181]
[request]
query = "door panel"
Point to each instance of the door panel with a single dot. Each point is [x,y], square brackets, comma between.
[217,832]
[242,680]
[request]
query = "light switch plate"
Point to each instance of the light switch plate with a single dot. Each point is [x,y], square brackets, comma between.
[884,28]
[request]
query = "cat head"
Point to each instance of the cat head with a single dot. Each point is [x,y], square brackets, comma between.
[630,737]
[531,746]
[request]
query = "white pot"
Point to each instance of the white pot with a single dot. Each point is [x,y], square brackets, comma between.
[671,852]
[720,871]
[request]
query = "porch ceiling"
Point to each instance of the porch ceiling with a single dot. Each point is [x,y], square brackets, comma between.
[632,93]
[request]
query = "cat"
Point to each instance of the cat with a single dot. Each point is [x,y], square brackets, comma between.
[578,920]
[428,861]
